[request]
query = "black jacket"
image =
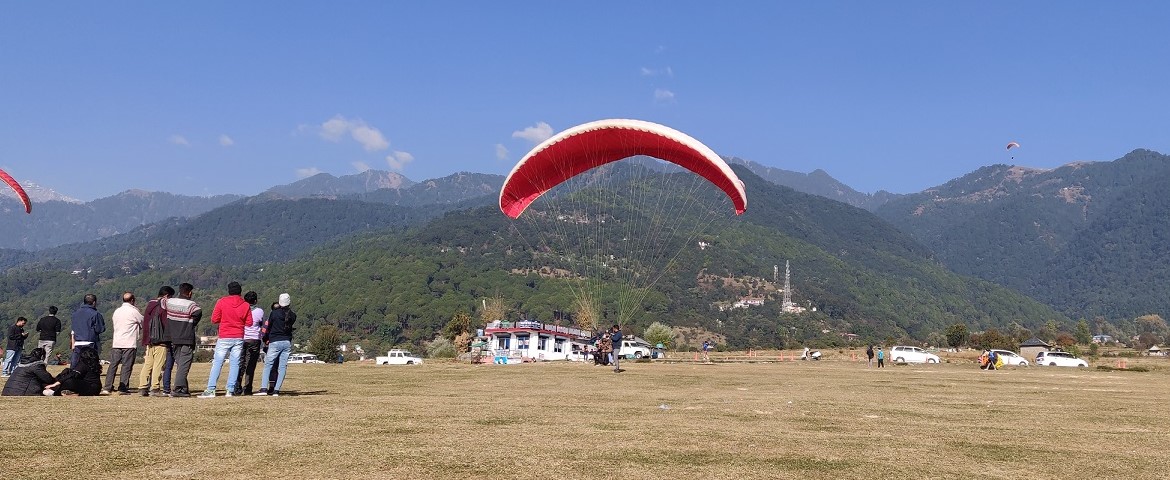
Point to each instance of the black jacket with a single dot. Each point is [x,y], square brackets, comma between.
[280,324]
[84,379]
[27,380]
[15,337]
[49,327]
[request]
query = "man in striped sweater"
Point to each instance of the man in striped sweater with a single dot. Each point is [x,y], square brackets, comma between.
[183,315]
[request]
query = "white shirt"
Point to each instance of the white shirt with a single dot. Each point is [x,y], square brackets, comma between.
[127,325]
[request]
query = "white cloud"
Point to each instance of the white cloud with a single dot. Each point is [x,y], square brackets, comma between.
[398,160]
[371,138]
[226,141]
[535,134]
[654,72]
[307,172]
[179,140]
[360,166]
[501,152]
[662,95]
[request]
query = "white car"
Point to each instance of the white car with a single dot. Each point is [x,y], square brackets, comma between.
[1011,358]
[636,347]
[902,354]
[303,358]
[398,357]
[1059,359]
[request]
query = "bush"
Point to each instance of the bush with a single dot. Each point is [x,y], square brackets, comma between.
[325,342]
[440,348]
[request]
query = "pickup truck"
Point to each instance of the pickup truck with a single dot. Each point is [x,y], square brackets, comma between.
[398,357]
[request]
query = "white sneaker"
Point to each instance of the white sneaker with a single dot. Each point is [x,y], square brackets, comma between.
[104,392]
[261,393]
[229,394]
[209,393]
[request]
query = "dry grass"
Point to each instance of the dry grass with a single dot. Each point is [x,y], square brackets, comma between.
[829,419]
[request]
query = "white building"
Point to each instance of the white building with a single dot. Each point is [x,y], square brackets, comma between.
[529,340]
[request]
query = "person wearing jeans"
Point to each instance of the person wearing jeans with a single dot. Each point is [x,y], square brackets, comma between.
[232,313]
[279,338]
[12,353]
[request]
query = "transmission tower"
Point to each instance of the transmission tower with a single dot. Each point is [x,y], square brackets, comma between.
[786,305]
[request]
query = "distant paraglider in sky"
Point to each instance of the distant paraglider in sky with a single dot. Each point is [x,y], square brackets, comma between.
[18,189]
[1012,145]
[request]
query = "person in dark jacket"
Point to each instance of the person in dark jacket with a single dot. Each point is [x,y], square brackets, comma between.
[30,376]
[154,339]
[183,316]
[279,338]
[616,337]
[83,377]
[48,327]
[12,352]
[88,325]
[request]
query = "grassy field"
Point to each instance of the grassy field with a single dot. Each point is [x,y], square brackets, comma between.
[828,419]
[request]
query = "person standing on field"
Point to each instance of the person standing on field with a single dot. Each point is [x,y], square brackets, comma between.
[881,356]
[183,315]
[15,347]
[127,322]
[251,346]
[869,354]
[87,324]
[616,337]
[232,313]
[48,327]
[279,338]
[154,340]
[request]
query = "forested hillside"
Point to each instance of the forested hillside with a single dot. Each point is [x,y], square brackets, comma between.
[389,287]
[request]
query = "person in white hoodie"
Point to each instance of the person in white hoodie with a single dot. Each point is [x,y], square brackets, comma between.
[127,322]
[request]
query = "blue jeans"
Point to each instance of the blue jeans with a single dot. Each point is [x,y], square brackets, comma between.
[11,358]
[223,348]
[277,349]
[167,367]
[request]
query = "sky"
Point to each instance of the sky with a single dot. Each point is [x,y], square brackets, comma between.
[204,98]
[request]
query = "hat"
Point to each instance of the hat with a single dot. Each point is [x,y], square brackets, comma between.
[285,300]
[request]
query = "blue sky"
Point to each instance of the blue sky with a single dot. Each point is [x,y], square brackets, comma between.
[234,97]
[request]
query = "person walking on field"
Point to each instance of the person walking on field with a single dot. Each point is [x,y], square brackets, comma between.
[251,346]
[154,340]
[616,337]
[232,313]
[15,347]
[183,316]
[279,338]
[87,324]
[127,322]
[869,355]
[881,356]
[48,327]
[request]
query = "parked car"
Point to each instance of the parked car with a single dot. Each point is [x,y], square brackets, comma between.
[903,354]
[398,357]
[636,347]
[303,358]
[1059,359]
[1011,358]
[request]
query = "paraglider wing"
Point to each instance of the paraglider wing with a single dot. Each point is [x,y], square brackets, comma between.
[593,144]
[1012,145]
[18,189]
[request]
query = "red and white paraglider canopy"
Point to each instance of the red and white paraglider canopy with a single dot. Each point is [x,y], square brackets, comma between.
[593,144]
[18,189]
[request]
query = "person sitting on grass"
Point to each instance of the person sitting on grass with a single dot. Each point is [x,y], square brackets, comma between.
[30,376]
[83,378]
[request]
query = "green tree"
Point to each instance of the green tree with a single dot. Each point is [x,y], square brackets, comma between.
[658,332]
[460,323]
[956,334]
[1082,333]
[324,343]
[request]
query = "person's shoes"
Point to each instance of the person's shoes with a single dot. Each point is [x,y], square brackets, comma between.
[209,393]
[159,393]
[247,391]
[144,392]
[167,392]
[123,392]
[104,392]
[48,392]
[180,393]
[230,394]
[261,393]
[275,393]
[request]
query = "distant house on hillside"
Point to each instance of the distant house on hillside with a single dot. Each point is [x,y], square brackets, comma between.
[1033,346]
[1154,351]
[1103,339]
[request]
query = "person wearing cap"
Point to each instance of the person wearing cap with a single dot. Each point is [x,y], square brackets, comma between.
[279,338]
[233,314]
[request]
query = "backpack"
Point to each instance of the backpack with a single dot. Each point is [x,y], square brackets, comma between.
[157,330]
